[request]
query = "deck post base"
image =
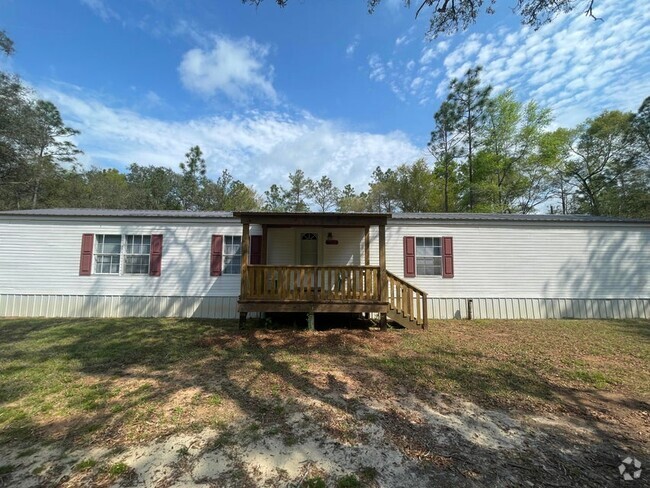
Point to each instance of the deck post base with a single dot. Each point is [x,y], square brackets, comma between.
[242,319]
[310,321]
[383,325]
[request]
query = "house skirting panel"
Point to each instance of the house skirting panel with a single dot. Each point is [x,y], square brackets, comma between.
[26,305]
[539,308]
[35,305]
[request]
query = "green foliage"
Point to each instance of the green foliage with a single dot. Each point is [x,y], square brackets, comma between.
[495,154]
[368,474]
[118,469]
[227,193]
[349,201]
[513,174]
[274,199]
[445,147]
[605,165]
[348,481]
[469,101]
[85,465]
[6,44]
[153,188]
[324,194]
[298,192]
[193,179]
[314,482]
[414,187]
[382,195]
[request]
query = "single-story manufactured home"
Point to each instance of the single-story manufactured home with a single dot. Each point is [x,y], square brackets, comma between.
[410,268]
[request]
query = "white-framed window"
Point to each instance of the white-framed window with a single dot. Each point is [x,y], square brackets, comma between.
[137,254]
[231,254]
[107,253]
[428,256]
[122,254]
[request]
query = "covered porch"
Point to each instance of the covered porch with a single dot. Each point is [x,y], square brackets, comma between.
[321,274]
[323,263]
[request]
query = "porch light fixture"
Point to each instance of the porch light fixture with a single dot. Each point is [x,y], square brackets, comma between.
[330,241]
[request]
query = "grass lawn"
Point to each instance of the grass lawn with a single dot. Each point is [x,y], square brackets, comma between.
[73,384]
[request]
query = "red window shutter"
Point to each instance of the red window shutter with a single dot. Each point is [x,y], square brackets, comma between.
[216,253]
[155,258]
[256,250]
[409,256]
[447,257]
[86,262]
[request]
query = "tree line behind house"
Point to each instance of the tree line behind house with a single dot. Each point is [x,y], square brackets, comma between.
[488,152]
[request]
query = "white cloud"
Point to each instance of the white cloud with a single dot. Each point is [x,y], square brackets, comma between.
[352,47]
[574,65]
[101,9]
[260,148]
[377,68]
[235,67]
[432,52]
[401,77]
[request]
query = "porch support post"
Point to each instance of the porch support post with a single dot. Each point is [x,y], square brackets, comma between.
[383,277]
[310,321]
[264,242]
[367,244]
[245,240]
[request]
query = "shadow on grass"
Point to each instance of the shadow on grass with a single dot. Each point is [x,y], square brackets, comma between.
[639,329]
[259,371]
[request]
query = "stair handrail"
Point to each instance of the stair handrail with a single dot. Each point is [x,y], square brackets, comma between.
[420,317]
[404,282]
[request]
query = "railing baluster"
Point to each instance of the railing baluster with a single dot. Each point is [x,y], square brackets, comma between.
[317,283]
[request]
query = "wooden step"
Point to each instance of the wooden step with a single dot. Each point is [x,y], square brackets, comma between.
[406,322]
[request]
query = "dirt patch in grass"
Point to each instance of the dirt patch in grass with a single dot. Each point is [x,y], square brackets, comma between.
[174,402]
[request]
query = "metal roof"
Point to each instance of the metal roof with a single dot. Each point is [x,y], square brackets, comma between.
[316,219]
[102,212]
[447,217]
[464,217]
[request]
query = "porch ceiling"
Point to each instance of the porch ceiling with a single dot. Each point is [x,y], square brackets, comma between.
[313,219]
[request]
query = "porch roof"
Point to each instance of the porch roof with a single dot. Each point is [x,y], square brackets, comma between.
[313,219]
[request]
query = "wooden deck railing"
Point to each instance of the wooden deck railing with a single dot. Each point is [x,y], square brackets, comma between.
[311,283]
[407,301]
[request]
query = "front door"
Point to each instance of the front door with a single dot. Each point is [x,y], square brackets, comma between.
[309,248]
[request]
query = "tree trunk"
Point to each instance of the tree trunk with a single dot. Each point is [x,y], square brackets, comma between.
[469,156]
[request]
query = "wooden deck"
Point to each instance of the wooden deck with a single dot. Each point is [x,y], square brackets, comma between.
[312,289]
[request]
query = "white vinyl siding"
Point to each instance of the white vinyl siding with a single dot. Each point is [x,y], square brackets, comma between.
[48,251]
[283,246]
[531,260]
[350,248]
[508,269]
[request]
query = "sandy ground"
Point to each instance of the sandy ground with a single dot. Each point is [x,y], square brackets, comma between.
[395,441]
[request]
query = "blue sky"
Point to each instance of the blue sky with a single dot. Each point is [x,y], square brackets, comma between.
[319,85]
